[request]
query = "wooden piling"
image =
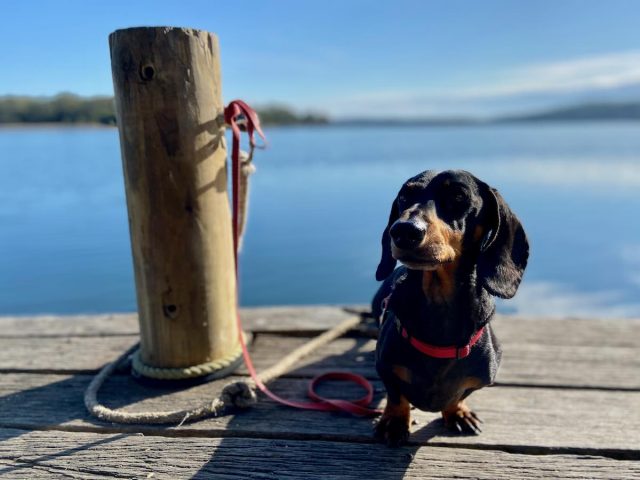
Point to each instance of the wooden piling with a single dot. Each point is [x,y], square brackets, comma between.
[170,119]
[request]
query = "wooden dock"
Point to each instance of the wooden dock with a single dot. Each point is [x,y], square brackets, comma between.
[567,405]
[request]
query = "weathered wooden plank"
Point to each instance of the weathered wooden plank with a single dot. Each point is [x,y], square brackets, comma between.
[523,364]
[264,319]
[69,325]
[576,366]
[568,332]
[61,353]
[89,455]
[312,319]
[532,420]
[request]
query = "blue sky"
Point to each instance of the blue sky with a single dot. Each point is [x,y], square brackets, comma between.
[351,58]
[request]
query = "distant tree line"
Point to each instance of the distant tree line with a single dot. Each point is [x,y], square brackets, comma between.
[70,108]
[280,115]
[63,108]
[591,111]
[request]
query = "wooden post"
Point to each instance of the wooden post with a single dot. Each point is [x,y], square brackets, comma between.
[171,124]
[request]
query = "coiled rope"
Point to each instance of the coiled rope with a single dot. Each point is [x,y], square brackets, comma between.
[240,394]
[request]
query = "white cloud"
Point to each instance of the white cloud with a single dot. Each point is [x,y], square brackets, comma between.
[630,253]
[552,81]
[598,72]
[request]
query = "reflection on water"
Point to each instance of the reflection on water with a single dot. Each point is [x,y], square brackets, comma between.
[319,202]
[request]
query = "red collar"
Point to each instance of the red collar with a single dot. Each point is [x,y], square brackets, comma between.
[440,352]
[434,350]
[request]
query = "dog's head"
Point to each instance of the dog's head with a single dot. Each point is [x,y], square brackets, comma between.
[437,219]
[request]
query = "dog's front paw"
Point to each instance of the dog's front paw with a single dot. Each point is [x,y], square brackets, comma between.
[462,419]
[393,426]
[394,431]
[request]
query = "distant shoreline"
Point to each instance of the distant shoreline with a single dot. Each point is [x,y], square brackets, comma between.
[45,125]
[74,111]
[344,124]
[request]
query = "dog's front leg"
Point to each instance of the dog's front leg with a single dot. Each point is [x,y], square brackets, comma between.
[393,426]
[459,417]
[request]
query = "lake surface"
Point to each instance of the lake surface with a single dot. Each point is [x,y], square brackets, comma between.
[319,202]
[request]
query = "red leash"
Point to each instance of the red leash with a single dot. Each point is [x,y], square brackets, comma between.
[359,407]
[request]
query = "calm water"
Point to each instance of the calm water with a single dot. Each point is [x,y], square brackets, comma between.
[319,202]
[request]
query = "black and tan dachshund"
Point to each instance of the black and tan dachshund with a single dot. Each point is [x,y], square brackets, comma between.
[460,245]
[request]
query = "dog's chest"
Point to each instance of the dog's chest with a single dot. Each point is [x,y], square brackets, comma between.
[428,383]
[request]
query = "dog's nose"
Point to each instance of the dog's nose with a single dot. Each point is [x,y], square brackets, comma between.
[408,235]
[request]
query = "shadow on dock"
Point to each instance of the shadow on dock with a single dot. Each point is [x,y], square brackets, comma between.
[314,449]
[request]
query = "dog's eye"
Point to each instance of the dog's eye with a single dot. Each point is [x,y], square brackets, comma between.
[401,199]
[454,202]
[456,196]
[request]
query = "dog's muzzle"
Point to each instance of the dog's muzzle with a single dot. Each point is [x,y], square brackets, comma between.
[408,235]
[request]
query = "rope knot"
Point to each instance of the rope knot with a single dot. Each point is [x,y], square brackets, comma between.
[239,394]
[246,166]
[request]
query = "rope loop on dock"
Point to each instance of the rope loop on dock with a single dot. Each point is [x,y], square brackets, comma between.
[235,395]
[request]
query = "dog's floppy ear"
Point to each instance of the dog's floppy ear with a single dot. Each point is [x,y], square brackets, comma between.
[504,252]
[387,262]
